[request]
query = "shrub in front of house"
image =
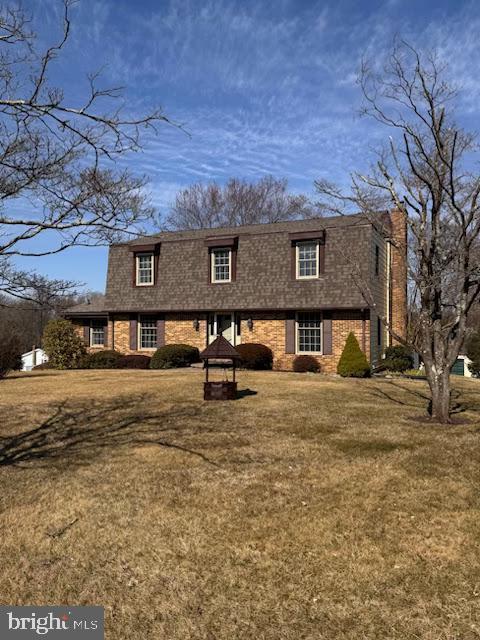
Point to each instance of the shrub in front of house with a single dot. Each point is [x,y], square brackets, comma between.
[306,364]
[171,356]
[10,357]
[105,359]
[398,358]
[65,349]
[133,361]
[353,363]
[44,366]
[255,356]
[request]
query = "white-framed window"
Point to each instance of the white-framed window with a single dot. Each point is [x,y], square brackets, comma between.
[147,332]
[308,259]
[221,263]
[97,333]
[144,267]
[309,332]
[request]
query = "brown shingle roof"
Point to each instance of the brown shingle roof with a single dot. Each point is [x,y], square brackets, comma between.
[327,222]
[263,269]
[95,307]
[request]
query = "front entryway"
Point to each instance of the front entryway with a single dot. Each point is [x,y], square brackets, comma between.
[224,324]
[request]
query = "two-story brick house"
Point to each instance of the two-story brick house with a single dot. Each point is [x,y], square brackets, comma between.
[297,287]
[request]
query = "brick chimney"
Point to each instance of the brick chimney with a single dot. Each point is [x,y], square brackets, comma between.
[398,280]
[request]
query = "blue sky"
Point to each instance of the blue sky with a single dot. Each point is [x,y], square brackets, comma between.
[264,86]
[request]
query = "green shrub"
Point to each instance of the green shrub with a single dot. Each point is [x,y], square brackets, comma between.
[65,349]
[10,356]
[171,356]
[255,356]
[398,358]
[303,364]
[473,352]
[353,362]
[104,359]
[134,361]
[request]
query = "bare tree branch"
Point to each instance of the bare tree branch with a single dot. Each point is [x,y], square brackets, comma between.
[423,173]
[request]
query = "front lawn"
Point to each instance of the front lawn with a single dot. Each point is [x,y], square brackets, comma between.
[310,508]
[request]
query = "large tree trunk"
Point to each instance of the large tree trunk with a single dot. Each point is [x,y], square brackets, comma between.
[440,387]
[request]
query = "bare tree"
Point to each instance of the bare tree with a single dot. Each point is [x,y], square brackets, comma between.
[236,203]
[424,172]
[57,158]
[28,300]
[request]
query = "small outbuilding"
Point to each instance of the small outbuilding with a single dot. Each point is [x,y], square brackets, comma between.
[32,358]
[220,352]
[461,368]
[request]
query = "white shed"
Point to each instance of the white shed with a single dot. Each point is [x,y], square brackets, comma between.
[32,358]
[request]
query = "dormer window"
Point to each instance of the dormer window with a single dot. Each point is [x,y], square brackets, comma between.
[308,259]
[221,264]
[144,269]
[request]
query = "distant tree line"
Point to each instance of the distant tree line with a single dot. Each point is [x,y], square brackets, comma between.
[237,202]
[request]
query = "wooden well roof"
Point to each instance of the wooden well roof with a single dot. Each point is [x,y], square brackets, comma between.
[221,349]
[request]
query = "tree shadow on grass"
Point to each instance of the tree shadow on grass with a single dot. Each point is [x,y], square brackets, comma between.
[77,432]
[26,375]
[415,396]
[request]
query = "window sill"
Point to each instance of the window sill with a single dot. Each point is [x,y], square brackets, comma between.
[144,284]
[309,353]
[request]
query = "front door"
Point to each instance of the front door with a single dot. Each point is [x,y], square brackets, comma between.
[222,324]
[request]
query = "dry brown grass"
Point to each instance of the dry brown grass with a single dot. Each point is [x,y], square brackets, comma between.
[314,509]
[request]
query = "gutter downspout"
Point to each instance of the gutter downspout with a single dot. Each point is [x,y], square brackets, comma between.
[389,290]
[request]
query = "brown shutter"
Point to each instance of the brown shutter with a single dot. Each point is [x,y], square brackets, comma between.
[233,275]
[209,266]
[293,261]
[155,267]
[86,332]
[321,258]
[327,333]
[133,334]
[160,331]
[134,270]
[105,334]
[290,332]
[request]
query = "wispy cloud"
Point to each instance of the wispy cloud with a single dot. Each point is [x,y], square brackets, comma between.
[263,87]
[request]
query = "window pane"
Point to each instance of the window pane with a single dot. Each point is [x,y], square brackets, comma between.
[309,332]
[307,259]
[97,334]
[145,269]
[148,333]
[221,264]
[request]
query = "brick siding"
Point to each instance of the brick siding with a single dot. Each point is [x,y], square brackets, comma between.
[268,329]
[179,329]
